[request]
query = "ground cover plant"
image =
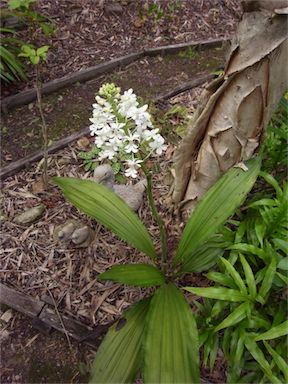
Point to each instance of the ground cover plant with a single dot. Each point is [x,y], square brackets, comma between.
[158,335]
[245,313]
[12,67]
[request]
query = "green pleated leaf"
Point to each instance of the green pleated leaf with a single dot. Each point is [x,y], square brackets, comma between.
[278,360]
[171,343]
[218,293]
[235,317]
[235,275]
[105,206]
[249,276]
[216,206]
[119,357]
[274,332]
[258,355]
[141,275]
[207,254]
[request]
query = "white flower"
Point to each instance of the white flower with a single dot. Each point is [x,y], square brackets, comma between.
[109,151]
[133,166]
[158,144]
[128,102]
[102,136]
[149,134]
[133,143]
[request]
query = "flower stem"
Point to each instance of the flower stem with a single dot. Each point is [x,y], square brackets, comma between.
[155,214]
[44,127]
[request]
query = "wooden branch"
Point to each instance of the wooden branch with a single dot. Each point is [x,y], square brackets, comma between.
[198,80]
[175,48]
[21,302]
[44,317]
[28,96]
[16,166]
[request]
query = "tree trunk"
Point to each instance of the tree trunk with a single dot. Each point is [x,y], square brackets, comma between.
[228,125]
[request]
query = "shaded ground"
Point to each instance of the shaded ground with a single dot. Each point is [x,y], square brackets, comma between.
[69,110]
[28,356]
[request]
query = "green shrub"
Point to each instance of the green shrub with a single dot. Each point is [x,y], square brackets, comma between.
[244,313]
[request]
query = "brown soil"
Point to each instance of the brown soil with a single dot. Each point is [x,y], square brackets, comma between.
[87,33]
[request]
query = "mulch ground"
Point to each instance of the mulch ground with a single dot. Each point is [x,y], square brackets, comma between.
[88,32]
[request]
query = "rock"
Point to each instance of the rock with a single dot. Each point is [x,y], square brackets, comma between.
[38,186]
[30,215]
[7,316]
[64,231]
[131,194]
[81,235]
[115,8]
[83,143]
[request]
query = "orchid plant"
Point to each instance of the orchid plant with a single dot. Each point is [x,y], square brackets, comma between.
[123,129]
[156,338]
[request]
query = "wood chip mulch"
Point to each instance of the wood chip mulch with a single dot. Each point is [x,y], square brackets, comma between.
[88,32]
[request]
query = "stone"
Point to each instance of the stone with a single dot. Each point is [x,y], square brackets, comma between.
[115,8]
[131,194]
[30,215]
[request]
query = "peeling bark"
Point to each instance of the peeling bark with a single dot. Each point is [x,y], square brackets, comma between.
[229,124]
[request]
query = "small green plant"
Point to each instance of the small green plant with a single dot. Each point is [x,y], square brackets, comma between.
[275,145]
[246,306]
[158,335]
[11,68]
[156,10]
[189,53]
[37,56]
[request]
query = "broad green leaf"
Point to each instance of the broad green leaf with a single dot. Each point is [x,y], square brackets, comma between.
[235,317]
[106,207]
[220,278]
[260,229]
[250,280]
[265,202]
[226,343]
[214,351]
[235,276]
[42,50]
[171,343]
[269,276]
[258,355]
[274,332]
[283,264]
[205,256]
[119,357]
[218,308]
[248,248]
[282,277]
[270,180]
[281,244]
[141,275]
[218,293]
[278,360]
[216,206]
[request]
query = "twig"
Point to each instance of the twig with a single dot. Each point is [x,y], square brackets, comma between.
[60,319]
